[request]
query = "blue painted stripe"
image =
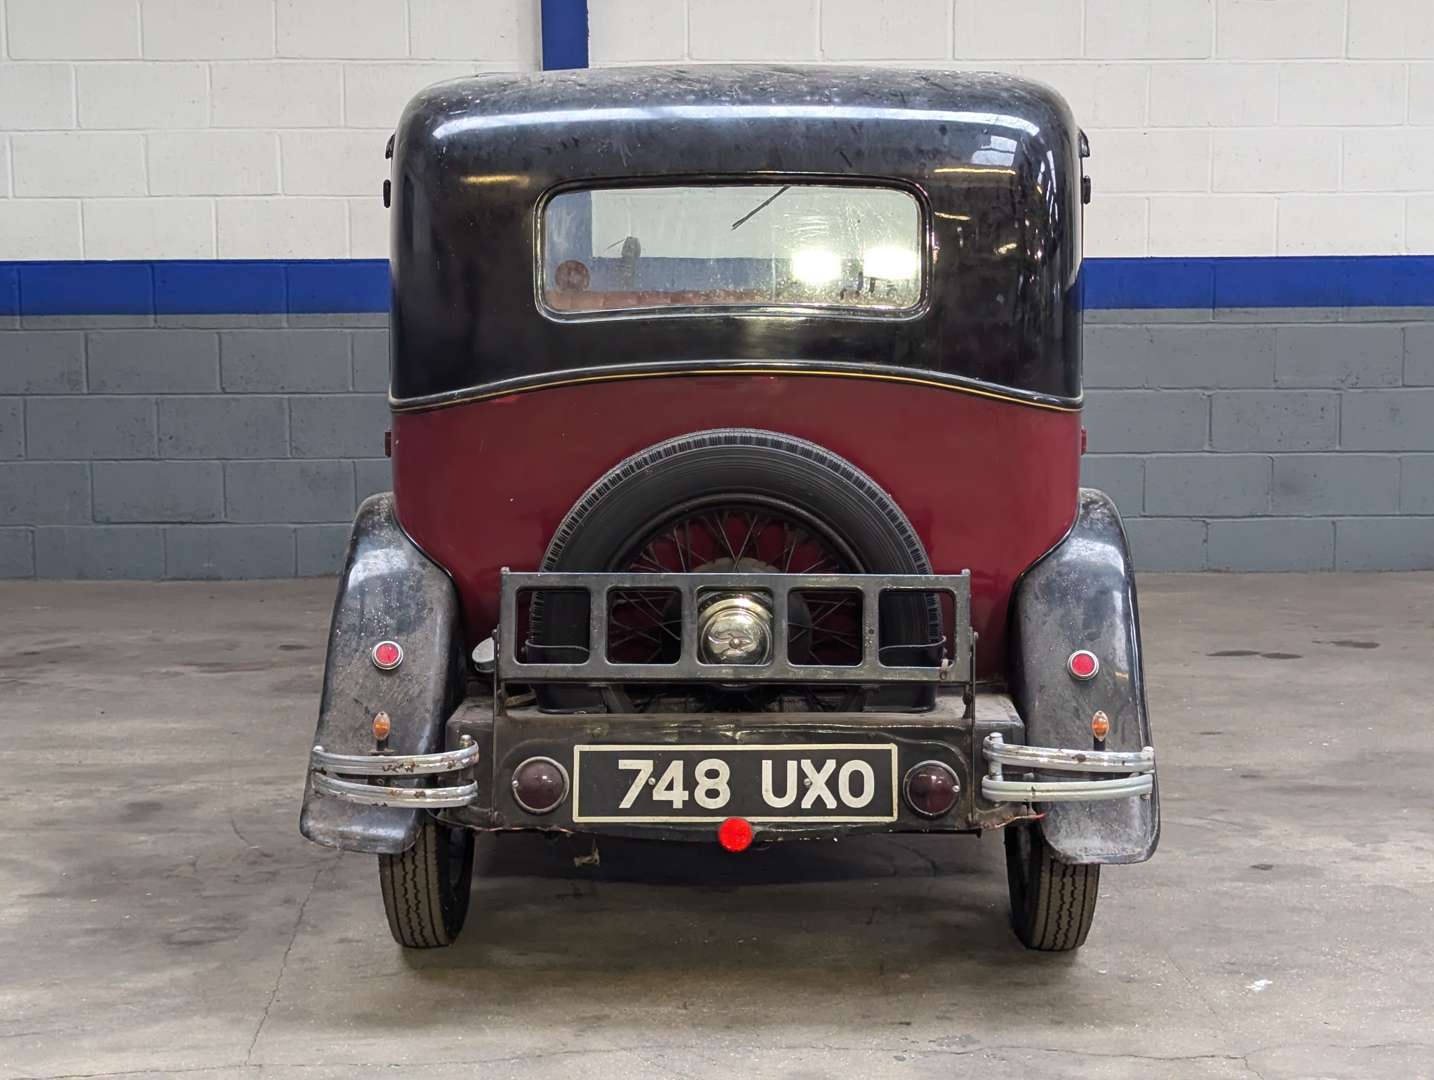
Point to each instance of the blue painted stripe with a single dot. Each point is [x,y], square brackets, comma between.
[276,287]
[565,34]
[338,285]
[85,288]
[9,289]
[214,288]
[1148,283]
[198,287]
[1286,281]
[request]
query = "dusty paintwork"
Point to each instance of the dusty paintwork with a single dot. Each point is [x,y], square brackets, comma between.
[389,590]
[944,734]
[1082,595]
[931,445]
[987,485]
[993,160]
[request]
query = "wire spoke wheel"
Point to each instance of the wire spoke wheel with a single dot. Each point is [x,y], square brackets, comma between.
[727,534]
[731,501]
[645,625]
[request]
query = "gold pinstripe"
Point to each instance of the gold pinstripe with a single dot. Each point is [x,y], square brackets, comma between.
[485,395]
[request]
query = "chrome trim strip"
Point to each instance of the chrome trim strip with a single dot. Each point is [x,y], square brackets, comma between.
[1042,757]
[1140,764]
[833,369]
[772,178]
[384,795]
[393,764]
[1051,791]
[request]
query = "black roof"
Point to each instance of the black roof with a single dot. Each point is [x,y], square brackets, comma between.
[993,159]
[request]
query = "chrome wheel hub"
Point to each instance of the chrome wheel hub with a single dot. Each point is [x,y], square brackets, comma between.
[735,630]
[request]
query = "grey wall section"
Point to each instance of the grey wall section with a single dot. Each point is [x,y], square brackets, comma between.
[240,447]
[1266,439]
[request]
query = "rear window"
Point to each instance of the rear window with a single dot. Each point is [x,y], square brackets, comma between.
[731,246]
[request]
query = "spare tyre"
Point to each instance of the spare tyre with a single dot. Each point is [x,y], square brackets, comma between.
[734,500]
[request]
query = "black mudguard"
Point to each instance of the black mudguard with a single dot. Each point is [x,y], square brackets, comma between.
[389,590]
[1081,595]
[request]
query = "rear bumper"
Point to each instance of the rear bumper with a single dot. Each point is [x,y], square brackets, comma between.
[471,781]
[1138,767]
[435,781]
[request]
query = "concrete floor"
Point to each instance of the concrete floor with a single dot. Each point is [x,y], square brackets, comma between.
[161,915]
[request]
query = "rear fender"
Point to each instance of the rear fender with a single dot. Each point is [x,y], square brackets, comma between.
[1081,595]
[389,590]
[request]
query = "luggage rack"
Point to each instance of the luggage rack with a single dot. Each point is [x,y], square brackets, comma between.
[954,667]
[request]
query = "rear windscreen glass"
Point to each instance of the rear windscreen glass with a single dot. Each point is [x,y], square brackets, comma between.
[731,246]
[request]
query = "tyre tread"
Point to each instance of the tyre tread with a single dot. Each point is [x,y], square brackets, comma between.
[1054,909]
[412,883]
[743,438]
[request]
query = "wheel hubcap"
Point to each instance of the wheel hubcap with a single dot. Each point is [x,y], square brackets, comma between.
[736,629]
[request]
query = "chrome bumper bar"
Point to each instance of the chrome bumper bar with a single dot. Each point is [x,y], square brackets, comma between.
[328,772]
[1138,764]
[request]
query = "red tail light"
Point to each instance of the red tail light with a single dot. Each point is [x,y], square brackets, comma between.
[1083,665]
[931,788]
[539,785]
[735,834]
[387,655]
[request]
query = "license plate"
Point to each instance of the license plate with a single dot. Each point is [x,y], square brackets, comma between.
[663,784]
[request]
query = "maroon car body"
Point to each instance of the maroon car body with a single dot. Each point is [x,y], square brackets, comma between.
[736,441]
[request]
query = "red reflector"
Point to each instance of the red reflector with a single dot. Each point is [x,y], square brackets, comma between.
[539,785]
[387,655]
[735,834]
[1083,664]
[931,788]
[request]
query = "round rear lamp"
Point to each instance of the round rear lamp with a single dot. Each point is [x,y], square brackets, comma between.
[540,784]
[387,655]
[735,834]
[931,788]
[1083,665]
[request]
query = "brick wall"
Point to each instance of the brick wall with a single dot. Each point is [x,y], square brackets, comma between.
[133,129]
[153,445]
[187,452]
[1301,441]
[1219,127]
[1265,445]
[253,128]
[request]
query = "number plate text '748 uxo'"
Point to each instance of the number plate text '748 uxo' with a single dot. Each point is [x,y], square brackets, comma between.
[819,782]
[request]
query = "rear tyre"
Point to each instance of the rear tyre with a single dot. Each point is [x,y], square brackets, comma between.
[1052,902]
[638,516]
[425,889]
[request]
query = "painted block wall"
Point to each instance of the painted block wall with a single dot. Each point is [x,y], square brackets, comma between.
[208,452]
[1265,440]
[1218,127]
[1246,428]
[249,128]
[231,129]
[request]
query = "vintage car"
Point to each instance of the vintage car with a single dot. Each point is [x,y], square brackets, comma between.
[736,442]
